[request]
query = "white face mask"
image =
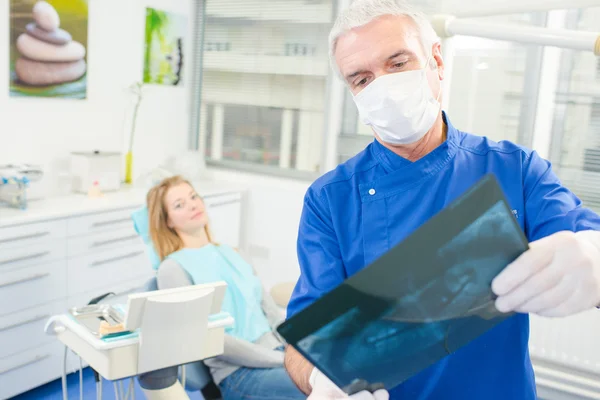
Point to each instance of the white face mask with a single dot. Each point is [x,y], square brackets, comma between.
[400,107]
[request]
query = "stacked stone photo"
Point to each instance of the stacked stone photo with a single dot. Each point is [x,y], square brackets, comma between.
[47,54]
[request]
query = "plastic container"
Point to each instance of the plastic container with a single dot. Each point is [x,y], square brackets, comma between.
[96,166]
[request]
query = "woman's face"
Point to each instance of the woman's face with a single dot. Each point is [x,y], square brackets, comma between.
[185,209]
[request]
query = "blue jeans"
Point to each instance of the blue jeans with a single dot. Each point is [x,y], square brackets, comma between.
[260,384]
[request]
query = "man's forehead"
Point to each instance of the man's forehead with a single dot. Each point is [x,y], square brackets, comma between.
[378,39]
[388,26]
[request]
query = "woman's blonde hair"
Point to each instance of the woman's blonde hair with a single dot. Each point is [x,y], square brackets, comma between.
[164,238]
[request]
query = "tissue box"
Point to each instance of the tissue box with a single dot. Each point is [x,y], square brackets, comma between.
[96,166]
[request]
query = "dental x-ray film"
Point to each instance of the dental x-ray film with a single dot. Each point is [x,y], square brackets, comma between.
[421,301]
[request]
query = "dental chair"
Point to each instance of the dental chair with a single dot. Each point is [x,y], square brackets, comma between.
[197,374]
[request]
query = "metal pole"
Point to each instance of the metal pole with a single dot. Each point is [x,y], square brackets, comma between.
[334,109]
[549,75]
[333,122]
[116,387]
[523,6]
[531,87]
[65,393]
[567,66]
[197,76]
[563,38]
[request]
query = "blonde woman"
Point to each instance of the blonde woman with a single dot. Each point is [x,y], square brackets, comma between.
[252,363]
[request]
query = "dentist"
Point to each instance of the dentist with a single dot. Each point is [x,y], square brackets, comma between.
[390,58]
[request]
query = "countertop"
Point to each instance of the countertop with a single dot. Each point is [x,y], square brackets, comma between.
[81,204]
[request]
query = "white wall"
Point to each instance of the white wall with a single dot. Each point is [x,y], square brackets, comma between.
[270,223]
[45,131]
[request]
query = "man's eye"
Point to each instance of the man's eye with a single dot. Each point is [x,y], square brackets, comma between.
[400,64]
[362,82]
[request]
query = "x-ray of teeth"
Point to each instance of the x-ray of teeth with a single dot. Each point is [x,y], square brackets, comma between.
[387,323]
[463,288]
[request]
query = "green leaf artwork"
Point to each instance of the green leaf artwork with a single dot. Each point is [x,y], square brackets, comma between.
[163,51]
[48,48]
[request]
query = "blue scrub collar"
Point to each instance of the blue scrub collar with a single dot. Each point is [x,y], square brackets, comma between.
[395,162]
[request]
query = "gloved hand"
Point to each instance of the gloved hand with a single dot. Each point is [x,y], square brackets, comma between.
[324,389]
[559,276]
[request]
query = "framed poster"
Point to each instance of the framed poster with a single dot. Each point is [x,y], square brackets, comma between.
[48,48]
[163,47]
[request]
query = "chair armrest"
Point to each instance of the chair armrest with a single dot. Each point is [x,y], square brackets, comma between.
[282,292]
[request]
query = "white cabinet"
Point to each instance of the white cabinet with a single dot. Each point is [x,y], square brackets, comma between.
[97,270]
[22,330]
[65,260]
[28,234]
[30,369]
[44,251]
[103,241]
[99,222]
[27,287]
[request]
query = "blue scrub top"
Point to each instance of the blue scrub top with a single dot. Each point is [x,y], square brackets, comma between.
[363,208]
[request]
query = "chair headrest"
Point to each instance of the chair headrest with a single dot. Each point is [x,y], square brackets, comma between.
[141,224]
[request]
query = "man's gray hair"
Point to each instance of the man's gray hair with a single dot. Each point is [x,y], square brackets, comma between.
[361,12]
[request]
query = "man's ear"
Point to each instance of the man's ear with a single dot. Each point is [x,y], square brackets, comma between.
[439,61]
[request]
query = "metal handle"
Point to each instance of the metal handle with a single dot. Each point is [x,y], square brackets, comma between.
[223,203]
[24,258]
[21,323]
[111,222]
[23,280]
[108,261]
[105,242]
[124,292]
[31,236]
[26,363]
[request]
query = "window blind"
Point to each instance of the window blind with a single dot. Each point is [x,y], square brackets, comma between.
[263,82]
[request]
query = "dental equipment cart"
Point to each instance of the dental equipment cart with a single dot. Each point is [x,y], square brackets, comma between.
[145,344]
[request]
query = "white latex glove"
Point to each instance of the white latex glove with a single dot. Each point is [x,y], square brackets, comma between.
[559,276]
[324,389]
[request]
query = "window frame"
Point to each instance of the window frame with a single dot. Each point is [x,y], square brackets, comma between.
[533,124]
